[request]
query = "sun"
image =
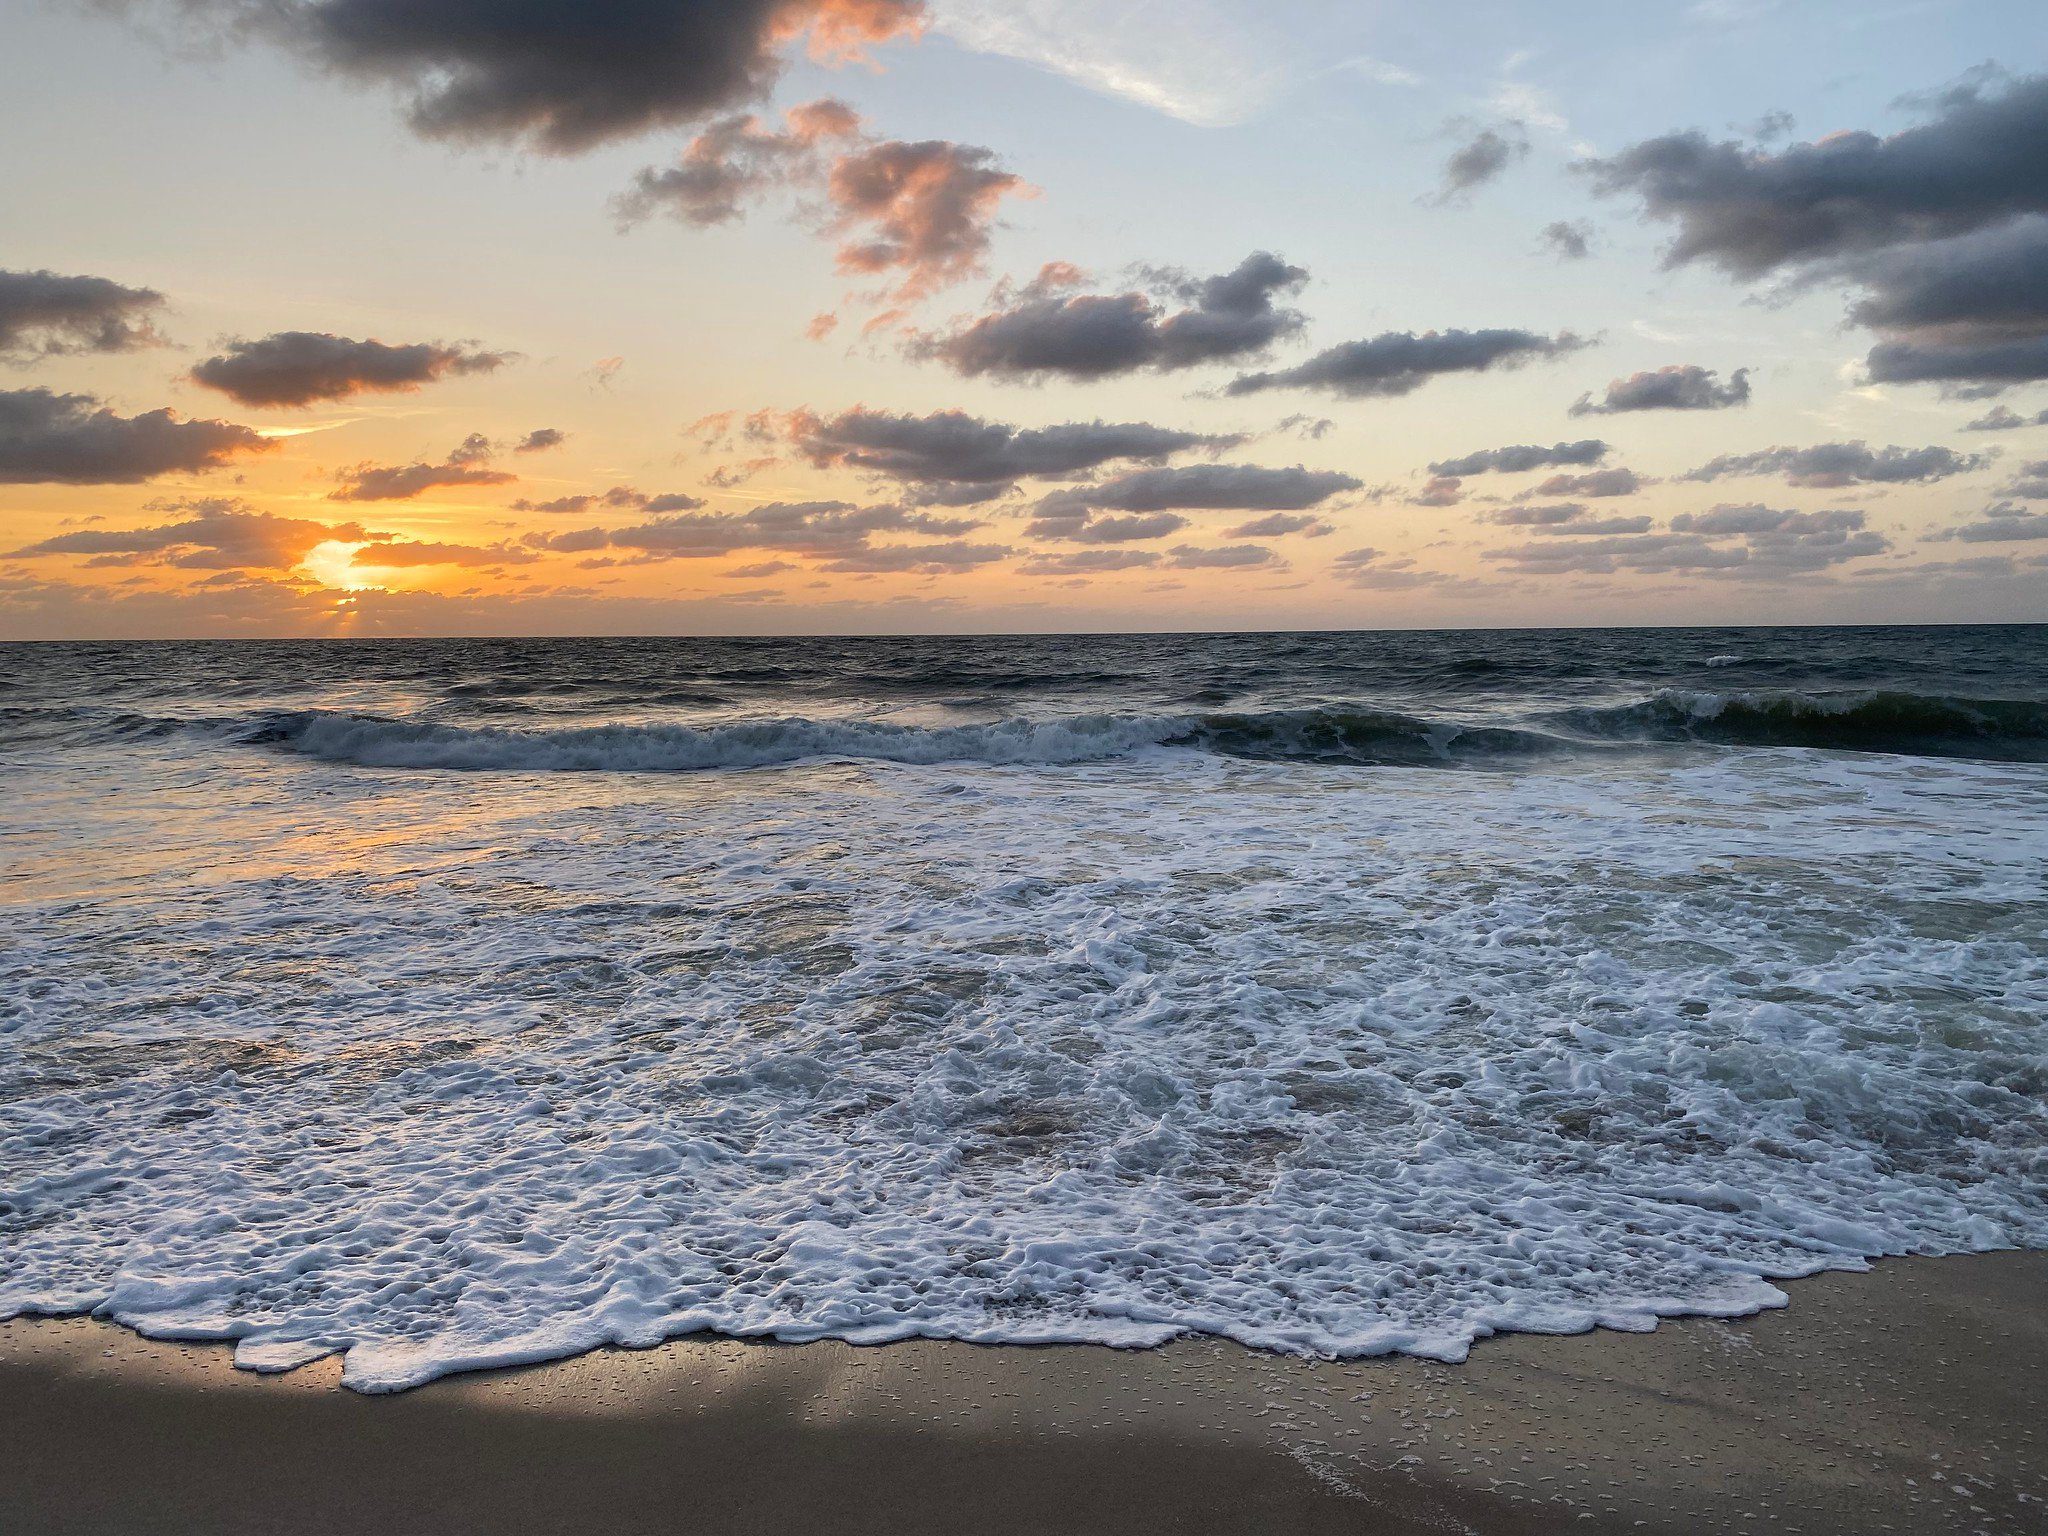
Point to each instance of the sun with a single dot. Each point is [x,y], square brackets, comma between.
[331,565]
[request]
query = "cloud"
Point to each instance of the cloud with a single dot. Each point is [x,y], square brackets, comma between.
[2003,418]
[540,439]
[1748,541]
[1439,491]
[1207,487]
[1979,161]
[76,440]
[1837,464]
[2002,523]
[465,465]
[736,159]
[1188,557]
[565,78]
[1675,387]
[951,454]
[1538,515]
[619,496]
[1089,562]
[1971,311]
[1482,158]
[922,559]
[1568,239]
[1618,481]
[1278,524]
[1375,570]
[223,534]
[1154,499]
[47,314]
[924,209]
[1084,527]
[1566,517]
[1519,457]
[407,553]
[1400,362]
[819,529]
[301,367]
[1210,63]
[1231,315]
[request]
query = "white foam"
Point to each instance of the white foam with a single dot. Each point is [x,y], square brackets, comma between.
[445,1073]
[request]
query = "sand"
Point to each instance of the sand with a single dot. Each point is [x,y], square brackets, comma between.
[1910,1399]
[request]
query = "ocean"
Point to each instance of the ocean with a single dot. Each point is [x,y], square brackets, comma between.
[459,1003]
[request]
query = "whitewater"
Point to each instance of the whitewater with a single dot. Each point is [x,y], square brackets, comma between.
[452,1004]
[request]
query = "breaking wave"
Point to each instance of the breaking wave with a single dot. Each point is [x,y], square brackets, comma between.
[1917,724]
[1936,725]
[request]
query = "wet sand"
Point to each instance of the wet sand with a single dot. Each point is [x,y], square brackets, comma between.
[1909,1400]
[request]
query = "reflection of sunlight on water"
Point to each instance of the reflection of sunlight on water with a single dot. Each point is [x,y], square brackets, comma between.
[331,564]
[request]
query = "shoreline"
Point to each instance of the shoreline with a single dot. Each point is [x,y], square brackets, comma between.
[1863,1407]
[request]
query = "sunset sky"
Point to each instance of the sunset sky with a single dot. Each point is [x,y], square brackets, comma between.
[455,317]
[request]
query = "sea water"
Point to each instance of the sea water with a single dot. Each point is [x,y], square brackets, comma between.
[456,1003]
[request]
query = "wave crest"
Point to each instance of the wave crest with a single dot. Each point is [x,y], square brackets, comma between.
[1918,724]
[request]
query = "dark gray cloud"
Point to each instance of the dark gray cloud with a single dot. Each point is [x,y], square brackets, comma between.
[75,440]
[2031,482]
[1980,160]
[920,559]
[1438,491]
[1226,557]
[2002,523]
[1376,571]
[563,78]
[404,554]
[1970,313]
[1537,514]
[1082,526]
[1675,387]
[1153,500]
[950,454]
[1519,457]
[620,497]
[1232,315]
[222,535]
[1088,562]
[466,464]
[1939,225]
[1276,525]
[540,439]
[1566,517]
[1618,481]
[1755,542]
[1482,158]
[2003,418]
[1568,239]
[301,367]
[48,314]
[1206,487]
[1400,362]
[818,529]
[1836,464]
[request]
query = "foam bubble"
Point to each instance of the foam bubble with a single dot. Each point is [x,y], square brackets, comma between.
[444,1073]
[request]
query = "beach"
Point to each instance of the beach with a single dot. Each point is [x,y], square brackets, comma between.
[1906,1399]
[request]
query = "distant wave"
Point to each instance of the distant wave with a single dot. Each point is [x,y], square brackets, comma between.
[1897,722]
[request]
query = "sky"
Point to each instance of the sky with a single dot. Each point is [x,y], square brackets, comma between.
[352,317]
